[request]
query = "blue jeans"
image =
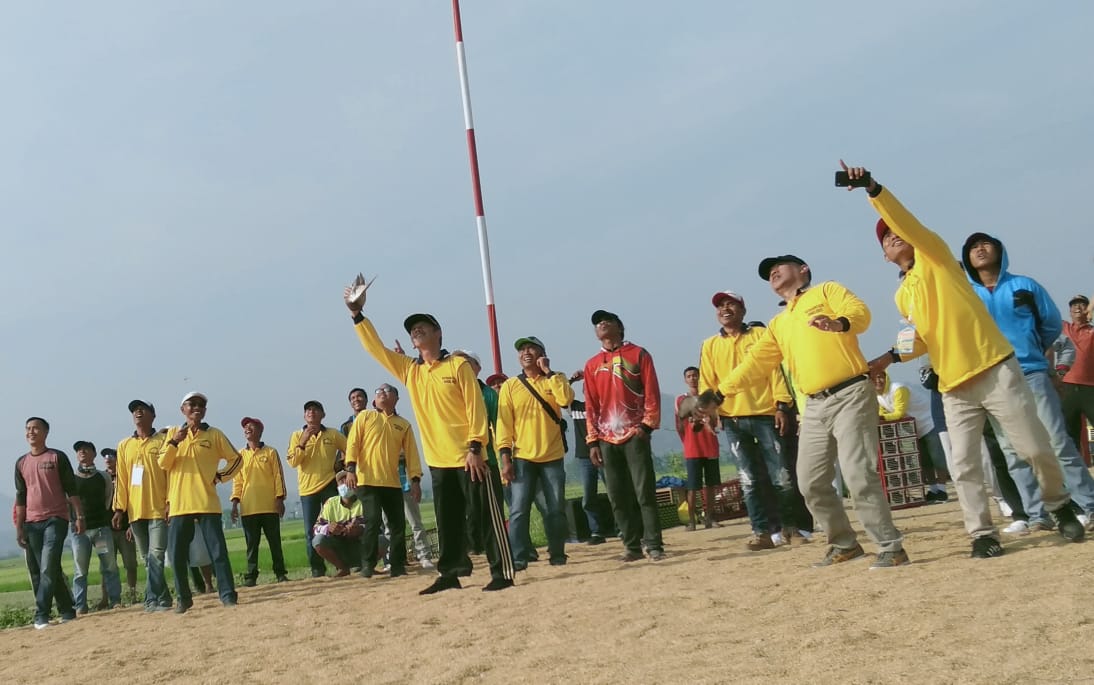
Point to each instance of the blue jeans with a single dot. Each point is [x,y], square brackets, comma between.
[180,532]
[151,538]
[589,476]
[752,439]
[310,506]
[550,479]
[1077,479]
[102,541]
[45,543]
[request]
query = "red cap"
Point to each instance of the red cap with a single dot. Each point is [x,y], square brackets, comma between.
[248,419]
[724,295]
[496,377]
[882,229]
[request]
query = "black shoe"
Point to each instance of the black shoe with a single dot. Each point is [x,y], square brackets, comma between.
[631,556]
[497,584]
[441,584]
[560,561]
[519,566]
[248,581]
[464,573]
[396,572]
[316,573]
[657,554]
[182,606]
[985,548]
[942,497]
[595,540]
[1071,529]
[365,572]
[282,578]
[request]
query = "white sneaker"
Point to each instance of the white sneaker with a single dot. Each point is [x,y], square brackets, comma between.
[806,534]
[427,564]
[777,538]
[41,625]
[1085,520]
[1017,528]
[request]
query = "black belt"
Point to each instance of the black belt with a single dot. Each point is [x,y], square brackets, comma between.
[828,392]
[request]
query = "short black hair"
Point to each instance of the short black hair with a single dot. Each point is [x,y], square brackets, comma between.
[40,420]
[360,390]
[692,368]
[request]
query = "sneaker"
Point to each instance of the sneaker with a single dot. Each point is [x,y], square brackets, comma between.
[891,560]
[630,556]
[82,611]
[985,548]
[497,584]
[397,572]
[792,536]
[806,535]
[777,539]
[441,584]
[595,540]
[759,542]
[560,561]
[931,497]
[711,523]
[69,617]
[316,573]
[364,573]
[690,528]
[1085,520]
[154,608]
[282,578]
[427,564]
[250,581]
[1068,524]
[836,555]
[182,606]
[657,554]
[519,566]
[385,567]
[230,602]
[41,625]
[1018,527]
[942,496]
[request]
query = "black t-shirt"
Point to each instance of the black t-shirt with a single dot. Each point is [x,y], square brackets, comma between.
[577,412]
[92,494]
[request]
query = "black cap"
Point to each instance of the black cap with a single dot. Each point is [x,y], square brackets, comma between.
[141,403]
[602,315]
[81,444]
[418,318]
[108,452]
[314,403]
[1079,299]
[769,263]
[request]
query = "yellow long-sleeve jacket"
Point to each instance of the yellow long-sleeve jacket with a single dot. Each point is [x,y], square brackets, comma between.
[721,354]
[523,425]
[445,397]
[141,490]
[260,481]
[951,321]
[192,472]
[817,359]
[314,461]
[373,447]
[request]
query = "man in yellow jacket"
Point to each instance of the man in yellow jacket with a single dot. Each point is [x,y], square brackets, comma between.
[313,451]
[191,457]
[259,489]
[448,404]
[376,441]
[817,335]
[532,443]
[977,371]
[140,493]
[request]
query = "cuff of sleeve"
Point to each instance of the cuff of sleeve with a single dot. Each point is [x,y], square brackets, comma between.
[894,356]
[358,318]
[846,324]
[876,191]
[351,467]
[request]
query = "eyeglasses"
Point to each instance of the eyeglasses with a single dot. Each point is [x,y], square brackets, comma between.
[384,391]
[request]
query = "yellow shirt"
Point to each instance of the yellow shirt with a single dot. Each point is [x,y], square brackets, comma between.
[445,397]
[721,354]
[523,425]
[374,444]
[260,481]
[951,321]
[817,359]
[314,462]
[141,489]
[192,470]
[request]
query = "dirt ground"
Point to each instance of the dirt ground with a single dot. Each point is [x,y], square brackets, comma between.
[710,612]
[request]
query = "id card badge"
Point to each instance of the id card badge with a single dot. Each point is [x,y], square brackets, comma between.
[137,477]
[100,542]
[905,339]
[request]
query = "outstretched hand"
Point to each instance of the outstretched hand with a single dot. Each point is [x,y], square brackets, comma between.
[858,172]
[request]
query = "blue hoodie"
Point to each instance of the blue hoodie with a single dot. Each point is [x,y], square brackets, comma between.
[1020,306]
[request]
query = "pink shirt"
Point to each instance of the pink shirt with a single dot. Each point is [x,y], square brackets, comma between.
[43,483]
[1082,371]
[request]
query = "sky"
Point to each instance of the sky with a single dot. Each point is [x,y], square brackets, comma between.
[186,189]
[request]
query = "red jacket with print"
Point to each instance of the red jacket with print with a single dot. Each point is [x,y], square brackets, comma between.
[621,393]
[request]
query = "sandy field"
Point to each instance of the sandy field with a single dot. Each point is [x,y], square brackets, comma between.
[711,612]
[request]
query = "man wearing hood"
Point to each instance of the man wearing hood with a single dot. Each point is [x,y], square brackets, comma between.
[977,373]
[1031,322]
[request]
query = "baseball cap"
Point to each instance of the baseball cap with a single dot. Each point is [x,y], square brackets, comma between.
[108,452]
[769,263]
[141,403]
[603,315]
[418,318]
[1081,299]
[314,403]
[247,419]
[82,444]
[722,296]
[469,354]
[881,229]
[192,395]
[529,340]
[497,378]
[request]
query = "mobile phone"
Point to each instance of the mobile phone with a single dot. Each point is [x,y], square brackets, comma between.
[843,180]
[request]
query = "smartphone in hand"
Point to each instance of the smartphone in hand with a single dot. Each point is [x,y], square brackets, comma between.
[844,181]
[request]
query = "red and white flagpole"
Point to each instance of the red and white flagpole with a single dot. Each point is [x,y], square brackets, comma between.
[476,187]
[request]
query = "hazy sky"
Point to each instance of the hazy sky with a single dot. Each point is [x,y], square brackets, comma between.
[187,189]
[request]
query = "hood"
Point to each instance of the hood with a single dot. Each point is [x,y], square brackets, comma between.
[1004,260]
[888,384]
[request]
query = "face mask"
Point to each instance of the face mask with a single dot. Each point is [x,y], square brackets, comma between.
[345,491]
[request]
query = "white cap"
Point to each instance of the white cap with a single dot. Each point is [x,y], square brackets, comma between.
[469,354]
[191,395]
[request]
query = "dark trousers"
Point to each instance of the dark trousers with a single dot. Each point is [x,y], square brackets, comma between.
[45,544]
[180,533]
[390,501]
[589,476]
[453,489]
[628,474]
[803,519]
[254,527]
[310,506]
[1077,401]
[1007,487]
